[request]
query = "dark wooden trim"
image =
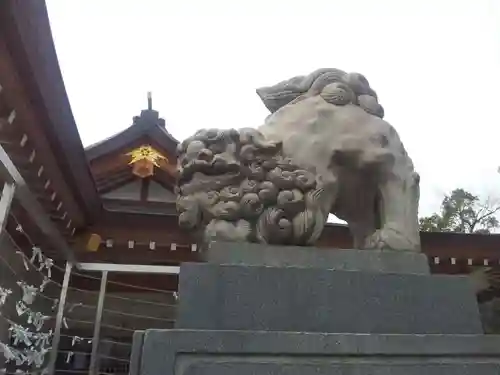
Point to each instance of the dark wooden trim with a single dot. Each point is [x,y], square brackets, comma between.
[115,142]
[444,245]
[35,151]
[140,207]
[124,255]
[155,131]
[25,26]
[145,189]
[105,178]
[139,220]
[115,183]
[165,179]
[108,180]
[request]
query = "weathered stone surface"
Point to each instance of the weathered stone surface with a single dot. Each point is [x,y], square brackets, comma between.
[136,352]
[229,297]
[385,261]
[236,186]
[186,352]
[324,148]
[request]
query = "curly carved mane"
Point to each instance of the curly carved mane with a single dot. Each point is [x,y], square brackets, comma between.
[236,184]
[334,85]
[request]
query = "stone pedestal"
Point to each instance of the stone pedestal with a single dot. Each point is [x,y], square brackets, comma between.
[284,310]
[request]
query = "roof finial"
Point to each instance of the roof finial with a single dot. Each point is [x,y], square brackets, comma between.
[150,101]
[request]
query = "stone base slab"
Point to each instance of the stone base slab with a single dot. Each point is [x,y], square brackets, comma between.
[384,261]
[188,352]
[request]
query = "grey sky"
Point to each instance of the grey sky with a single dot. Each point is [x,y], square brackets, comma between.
[435,65]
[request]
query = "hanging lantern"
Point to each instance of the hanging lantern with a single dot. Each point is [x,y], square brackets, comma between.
[144,160]
[94,242]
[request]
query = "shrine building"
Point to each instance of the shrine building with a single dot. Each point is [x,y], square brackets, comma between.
[114,202]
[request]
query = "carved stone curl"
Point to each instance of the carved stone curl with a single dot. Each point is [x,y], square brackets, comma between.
[324,148]
[245,190]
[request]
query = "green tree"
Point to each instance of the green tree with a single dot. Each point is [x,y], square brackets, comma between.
[463,212]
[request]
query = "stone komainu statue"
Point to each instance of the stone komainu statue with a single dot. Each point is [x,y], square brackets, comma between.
[324,148]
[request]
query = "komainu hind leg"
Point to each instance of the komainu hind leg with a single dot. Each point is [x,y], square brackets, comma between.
[398,204]
[362,230]
[357,206]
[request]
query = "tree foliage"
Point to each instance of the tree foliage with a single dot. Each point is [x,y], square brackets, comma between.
[463,212]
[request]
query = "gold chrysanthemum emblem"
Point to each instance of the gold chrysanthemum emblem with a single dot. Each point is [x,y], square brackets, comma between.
[144,159]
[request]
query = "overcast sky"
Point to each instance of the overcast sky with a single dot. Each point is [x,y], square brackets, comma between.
[435,65]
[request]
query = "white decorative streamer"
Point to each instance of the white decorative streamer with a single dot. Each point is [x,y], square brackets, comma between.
[7,352]
[75,340]
[37,319]
[47,263]
[4,293]
[45,282]
[23,257]
[21,308]
[37,254]
[43,339]
[20,334]
[36,357]
[37,344]
[29,292]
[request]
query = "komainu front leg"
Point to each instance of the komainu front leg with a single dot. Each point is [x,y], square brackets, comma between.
[399,215]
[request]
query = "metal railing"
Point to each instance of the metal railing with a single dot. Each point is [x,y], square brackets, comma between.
[82,315]
[119,314]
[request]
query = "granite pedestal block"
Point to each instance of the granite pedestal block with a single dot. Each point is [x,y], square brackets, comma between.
[186,352]
[282,310]
[227,297]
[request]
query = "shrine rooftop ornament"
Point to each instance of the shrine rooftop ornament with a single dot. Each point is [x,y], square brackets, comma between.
[324,148]
[144,159]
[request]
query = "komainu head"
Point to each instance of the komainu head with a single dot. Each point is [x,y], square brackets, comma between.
[335,86]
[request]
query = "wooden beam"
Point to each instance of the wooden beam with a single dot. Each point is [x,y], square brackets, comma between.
[25,28]
[109,185]
[150,208]
[19,96]
[123,255]
[145,189]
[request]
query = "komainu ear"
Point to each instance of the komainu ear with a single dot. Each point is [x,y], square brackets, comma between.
[275,97]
